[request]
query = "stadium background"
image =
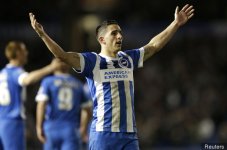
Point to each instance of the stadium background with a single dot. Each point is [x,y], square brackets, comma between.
[181,93]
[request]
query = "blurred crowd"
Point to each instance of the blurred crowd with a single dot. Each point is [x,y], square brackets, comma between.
[181,94]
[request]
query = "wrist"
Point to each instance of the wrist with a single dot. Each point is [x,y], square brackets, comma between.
[38,128]
[41,34]
[176,23]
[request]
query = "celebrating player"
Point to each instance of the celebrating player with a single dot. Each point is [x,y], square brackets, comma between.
[110,78]
[13,79]
[60,99]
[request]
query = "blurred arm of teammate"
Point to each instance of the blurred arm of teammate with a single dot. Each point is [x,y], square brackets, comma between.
[86,115]
[160,40]
[40,113]
[71,58]
[36,75]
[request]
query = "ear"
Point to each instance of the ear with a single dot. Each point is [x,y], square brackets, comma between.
[102,40]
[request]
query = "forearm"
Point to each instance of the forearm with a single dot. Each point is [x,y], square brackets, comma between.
[55,49]
[160,40]
[86,115]
[71,58]
[37,75]
[40,113]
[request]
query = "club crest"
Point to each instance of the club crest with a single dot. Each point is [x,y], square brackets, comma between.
[123,63]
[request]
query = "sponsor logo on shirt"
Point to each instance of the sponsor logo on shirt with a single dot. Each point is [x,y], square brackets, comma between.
[116,74]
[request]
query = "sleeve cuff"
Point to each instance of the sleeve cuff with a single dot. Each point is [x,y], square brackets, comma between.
[41,98]
[87,104]
[140,63]
[82,64]
[21,78]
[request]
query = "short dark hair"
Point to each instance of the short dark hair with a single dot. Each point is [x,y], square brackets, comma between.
[104,25]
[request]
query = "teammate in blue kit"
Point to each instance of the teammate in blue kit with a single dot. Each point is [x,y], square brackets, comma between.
[85,125]
[13,80]
[60,99]
[113,126]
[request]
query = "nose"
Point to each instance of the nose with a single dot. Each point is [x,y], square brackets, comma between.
[119,36]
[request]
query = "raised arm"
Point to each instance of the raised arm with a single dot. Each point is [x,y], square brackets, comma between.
[71,58]
[160,40]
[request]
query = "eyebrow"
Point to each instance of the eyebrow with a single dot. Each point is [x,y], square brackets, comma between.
[118,30]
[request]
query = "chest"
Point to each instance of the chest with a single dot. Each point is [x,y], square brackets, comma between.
[120,69]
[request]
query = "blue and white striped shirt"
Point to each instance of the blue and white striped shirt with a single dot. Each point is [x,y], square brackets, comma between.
[111,84]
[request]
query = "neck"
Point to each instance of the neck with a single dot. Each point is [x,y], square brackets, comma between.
[108,52]
[15,63]
[60,72]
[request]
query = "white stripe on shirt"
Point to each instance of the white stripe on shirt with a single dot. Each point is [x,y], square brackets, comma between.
[128,107]
[99,96]
[115,124]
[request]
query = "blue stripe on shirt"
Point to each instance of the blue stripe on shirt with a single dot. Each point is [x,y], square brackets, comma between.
[123,115]
[107,105]
[133,109]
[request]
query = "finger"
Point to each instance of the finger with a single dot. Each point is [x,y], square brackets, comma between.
[185,7]
[191,12]
[189,17]
[31,16]
[188,9]
[34,22]
[177,10]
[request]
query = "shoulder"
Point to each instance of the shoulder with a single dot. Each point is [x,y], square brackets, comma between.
[48,78]
[18,70]
[136,50]
[89,54]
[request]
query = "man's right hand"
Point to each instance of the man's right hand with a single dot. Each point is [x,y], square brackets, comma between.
[41,135]
[35,25]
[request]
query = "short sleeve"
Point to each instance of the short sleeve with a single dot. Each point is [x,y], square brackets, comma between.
[87,101]
[22,77]
[137,56]
[87,63]
[19,76]
[42,94]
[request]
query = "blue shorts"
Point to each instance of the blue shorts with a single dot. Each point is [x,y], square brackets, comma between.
[61,135]
[113,141]
[12,134]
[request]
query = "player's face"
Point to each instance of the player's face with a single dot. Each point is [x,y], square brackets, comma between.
[113,37]
[22,54]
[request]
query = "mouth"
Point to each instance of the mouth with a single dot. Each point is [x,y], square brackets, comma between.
[118,43]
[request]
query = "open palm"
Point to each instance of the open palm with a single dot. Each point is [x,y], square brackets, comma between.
[35,25]
[184,14]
